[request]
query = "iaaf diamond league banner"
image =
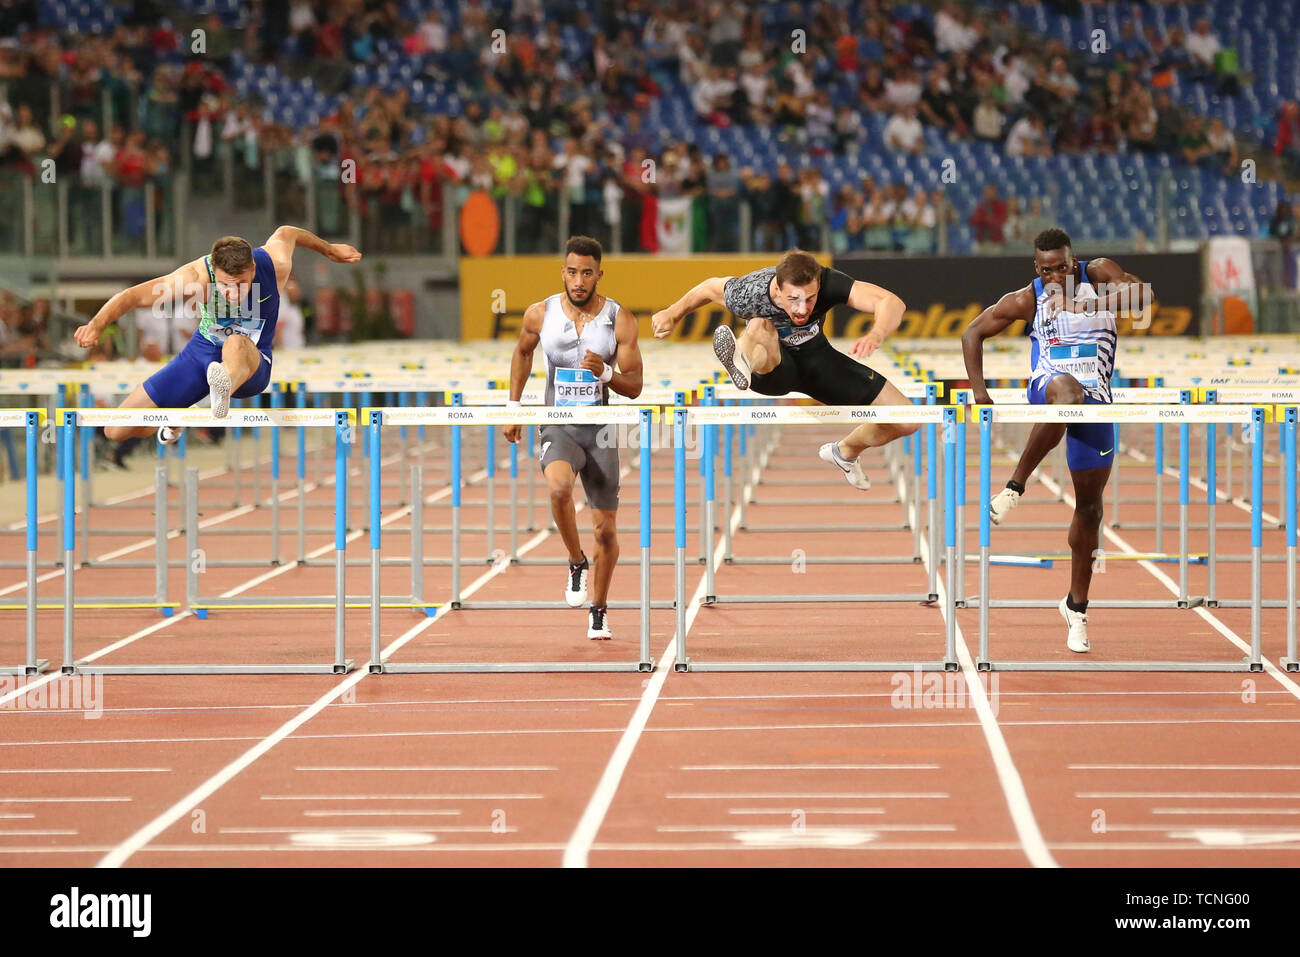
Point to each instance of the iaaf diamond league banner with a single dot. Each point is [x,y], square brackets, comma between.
[943,294]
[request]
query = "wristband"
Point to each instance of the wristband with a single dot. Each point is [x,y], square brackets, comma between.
[512,403]
[607,374]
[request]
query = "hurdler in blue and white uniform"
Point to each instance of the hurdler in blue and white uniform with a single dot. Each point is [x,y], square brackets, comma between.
[1071,308]
[235,290]
[583,336]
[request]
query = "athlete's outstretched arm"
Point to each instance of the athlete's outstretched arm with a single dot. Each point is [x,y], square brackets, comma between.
[627,379]
[994,319]
[887,308]
[1124,291]
[166,291]
[285,239]
[521,362]
[663,321]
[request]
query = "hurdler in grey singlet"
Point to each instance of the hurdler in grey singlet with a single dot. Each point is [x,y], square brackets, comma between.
[590,450]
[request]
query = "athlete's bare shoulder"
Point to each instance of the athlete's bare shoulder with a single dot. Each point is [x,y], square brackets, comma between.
[1019,303]
[533,316]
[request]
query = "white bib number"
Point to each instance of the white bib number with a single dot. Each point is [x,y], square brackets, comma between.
[577,387]
[1078,361]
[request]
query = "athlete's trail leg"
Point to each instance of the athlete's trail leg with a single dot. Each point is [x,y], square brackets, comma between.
[1089,487]
[876,434]
[606,556]
[1045,436]
[139,399]
[559,478]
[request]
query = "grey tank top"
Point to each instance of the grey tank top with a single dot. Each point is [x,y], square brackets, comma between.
[563,348]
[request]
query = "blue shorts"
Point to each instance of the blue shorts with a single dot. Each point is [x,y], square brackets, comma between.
[184,380]
[1088,445]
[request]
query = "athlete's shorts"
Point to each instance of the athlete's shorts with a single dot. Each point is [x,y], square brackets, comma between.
[1088,445]
[184,380]
[590,456]
[819,370]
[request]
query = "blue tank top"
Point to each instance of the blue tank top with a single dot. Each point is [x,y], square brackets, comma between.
[254,317]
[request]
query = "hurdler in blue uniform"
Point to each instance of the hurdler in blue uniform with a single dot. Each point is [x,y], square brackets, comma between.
[1071,309]
[235,290]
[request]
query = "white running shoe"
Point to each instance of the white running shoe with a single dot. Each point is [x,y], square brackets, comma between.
[219,383]
[852,468]
[732,359]
[575,584]
[598,630]
[1002,503]
[168,436]
[1077,621]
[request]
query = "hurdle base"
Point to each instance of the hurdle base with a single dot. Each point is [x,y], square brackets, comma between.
[509,667]
[334,668]
[808,666]
[1244,665]
[1290,664]
[546,605]
[42,665]
[920,598]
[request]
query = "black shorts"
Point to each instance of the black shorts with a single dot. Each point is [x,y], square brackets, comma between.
[819,370]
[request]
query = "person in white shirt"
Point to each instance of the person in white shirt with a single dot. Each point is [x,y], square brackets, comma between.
[1028,137]
[291,327]
[951,33]
[903,132]
[1202,45]
[433,34]
[903,89]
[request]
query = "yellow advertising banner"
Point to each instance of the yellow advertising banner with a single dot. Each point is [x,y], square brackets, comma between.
[495,291]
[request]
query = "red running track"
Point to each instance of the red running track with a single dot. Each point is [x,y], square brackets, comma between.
[1008,769]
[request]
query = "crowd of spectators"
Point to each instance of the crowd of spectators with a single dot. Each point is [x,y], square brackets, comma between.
[540,110]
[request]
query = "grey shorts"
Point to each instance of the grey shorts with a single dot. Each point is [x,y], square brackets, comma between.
[594,461]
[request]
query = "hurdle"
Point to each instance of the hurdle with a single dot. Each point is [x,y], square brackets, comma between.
[31,421]
[1287,415]
[457,417]
[1183,415]
[343,423]
[748,474]
[707,417]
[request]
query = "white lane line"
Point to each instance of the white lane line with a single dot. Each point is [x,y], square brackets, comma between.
[1191,795]
[593,815]
[381,829]
[805,810]
[809,767]
[347,735]
[123,851]
[816,796]
[1013,786]
[667,699]
[749,829]
[1169,583]
[67,800]
[15,817]
[440,768]
[402,797]
[86,771]
[391,812]
[1184,767]
[58,833]
[1225,810]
